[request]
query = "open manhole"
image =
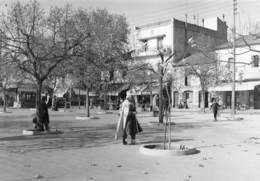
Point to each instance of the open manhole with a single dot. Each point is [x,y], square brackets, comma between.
[159,150]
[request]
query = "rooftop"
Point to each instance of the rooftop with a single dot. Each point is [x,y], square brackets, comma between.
[251,39]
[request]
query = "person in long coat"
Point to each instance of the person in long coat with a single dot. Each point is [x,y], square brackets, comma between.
[127,123]
[215,106]
[45,114]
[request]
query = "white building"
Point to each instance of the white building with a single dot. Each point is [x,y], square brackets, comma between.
[247,72]
[170,36]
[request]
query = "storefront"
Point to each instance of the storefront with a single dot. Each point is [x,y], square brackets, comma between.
[247,94]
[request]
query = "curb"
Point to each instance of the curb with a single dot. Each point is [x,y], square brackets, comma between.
[86,118]
[34,132]
[157,150]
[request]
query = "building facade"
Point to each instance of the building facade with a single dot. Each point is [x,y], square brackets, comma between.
[171,37]
[247,73]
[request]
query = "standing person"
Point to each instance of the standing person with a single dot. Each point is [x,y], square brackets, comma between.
[123,112]
[132,126]
[155,105]
[45,114]
[127,123]
[215,106]
[143,104]
[54,104]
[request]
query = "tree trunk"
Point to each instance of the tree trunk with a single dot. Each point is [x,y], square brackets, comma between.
[136,101]
[151,100]
[203,97]
[79,98]
[87,101]
[5,101]
[38,106]
[160,94]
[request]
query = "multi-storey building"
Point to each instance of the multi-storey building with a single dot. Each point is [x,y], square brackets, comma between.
[247,72]
[170,37]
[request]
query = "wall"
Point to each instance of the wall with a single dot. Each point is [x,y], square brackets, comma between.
[150,33]
[248,72]
[174,38]
[206,39]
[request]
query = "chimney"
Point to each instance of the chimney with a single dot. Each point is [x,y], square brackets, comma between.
[202,22]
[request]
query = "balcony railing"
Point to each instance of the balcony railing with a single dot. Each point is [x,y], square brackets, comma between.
[149,52]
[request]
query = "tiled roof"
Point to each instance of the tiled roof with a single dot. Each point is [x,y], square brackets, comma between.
[197,59]
[252,39]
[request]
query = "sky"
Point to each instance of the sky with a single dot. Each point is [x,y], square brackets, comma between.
[140,12]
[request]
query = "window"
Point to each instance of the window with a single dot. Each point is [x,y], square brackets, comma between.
[187,80]
[111,75]
[152,44]
[124,74]
[159,43]
[230,61]
[187,95]
[255,61]
[145,46]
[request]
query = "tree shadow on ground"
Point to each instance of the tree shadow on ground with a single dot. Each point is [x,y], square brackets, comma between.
[75,137]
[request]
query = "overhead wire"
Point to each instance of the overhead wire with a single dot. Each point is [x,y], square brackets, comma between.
[207,8]
[178,9]
[153,19]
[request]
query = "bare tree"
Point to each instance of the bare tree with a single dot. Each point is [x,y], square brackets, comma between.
[160,73]
[205,69]
[40,41]
[8,73]
[104,52]
[201,62]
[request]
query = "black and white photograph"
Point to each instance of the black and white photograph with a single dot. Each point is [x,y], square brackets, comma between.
[123,90]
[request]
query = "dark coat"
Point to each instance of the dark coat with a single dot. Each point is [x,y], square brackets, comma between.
[44,113]
[215,107]
[132,125]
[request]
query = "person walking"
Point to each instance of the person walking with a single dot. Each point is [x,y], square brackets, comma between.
[215,106]
[127,123]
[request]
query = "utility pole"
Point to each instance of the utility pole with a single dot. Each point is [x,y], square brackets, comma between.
[161,98]
[234,58]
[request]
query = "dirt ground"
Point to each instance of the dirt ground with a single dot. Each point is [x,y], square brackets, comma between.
[229,150]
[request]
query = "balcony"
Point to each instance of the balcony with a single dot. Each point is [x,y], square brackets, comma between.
[151,52]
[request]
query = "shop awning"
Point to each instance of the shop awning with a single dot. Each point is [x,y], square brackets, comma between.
[114,90]
[27,89]
[244,86]
[138,89]
[23,87]
[83,92]
[154,89]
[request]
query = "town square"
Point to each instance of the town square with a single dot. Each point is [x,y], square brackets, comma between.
[129,90]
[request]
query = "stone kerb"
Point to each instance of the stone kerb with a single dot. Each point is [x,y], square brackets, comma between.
[158,150]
